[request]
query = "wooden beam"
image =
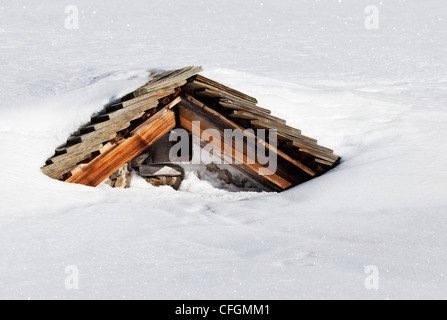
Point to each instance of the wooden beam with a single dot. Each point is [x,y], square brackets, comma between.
[154,95]
[240,105]
[136,108]
[201,79]
[216,94]
[124,151]
[164,80]
[324,155]
[194,84]
[251,115]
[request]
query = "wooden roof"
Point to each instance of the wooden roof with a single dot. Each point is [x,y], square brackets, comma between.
[173,99]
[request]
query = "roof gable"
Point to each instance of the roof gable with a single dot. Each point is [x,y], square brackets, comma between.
[175,99]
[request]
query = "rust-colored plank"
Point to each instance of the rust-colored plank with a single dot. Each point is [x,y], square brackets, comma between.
[105,164]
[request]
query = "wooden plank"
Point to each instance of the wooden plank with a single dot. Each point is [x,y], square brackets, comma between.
[153,95]
[288,133]
[130,115]
[251,115]
[195,85]
[222,87]
[138,107]
[322,155]
[71,149]
[67,156]
[323,162]
[289,172]
[155,170]
[116,121]
[64,164]
[90,144]
[239,105]
[215,94]
[166,79]
[266,124]
[298,141]
[98,133]
[124,151]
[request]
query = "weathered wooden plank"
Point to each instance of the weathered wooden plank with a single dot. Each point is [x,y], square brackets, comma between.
[221,87]
[124,151]
[267,124]
[288,133]
[166,79]
[215,94]
[113,122]
[195,85]
[293,141]
[61,165]
[138,107]
[155,170]
[70,149]
[98,133]
[251,115]
[239,105]
[153,95]
[67,156]
[323,162]
[289,172]
[322,155]
[104,134]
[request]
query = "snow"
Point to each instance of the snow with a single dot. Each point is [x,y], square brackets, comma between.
[377,97]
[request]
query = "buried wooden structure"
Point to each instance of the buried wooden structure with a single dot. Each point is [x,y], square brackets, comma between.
[177,99]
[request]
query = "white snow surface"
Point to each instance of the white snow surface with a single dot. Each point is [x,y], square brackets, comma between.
[377,97]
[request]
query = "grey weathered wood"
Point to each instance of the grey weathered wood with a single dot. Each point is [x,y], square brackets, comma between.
[134,108]
[267,124]
[324,155]
[165,79]
[59,159]
[116,121]
[61,165]
[97,140]
[101,132]
[215,94]
[251,115]
[240,105]
[155,170]
[153,95]
[213,84]
[195,85]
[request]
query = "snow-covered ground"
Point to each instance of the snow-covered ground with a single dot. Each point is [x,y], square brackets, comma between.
[377,97]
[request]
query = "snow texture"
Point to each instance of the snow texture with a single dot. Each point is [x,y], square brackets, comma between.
[377,97]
